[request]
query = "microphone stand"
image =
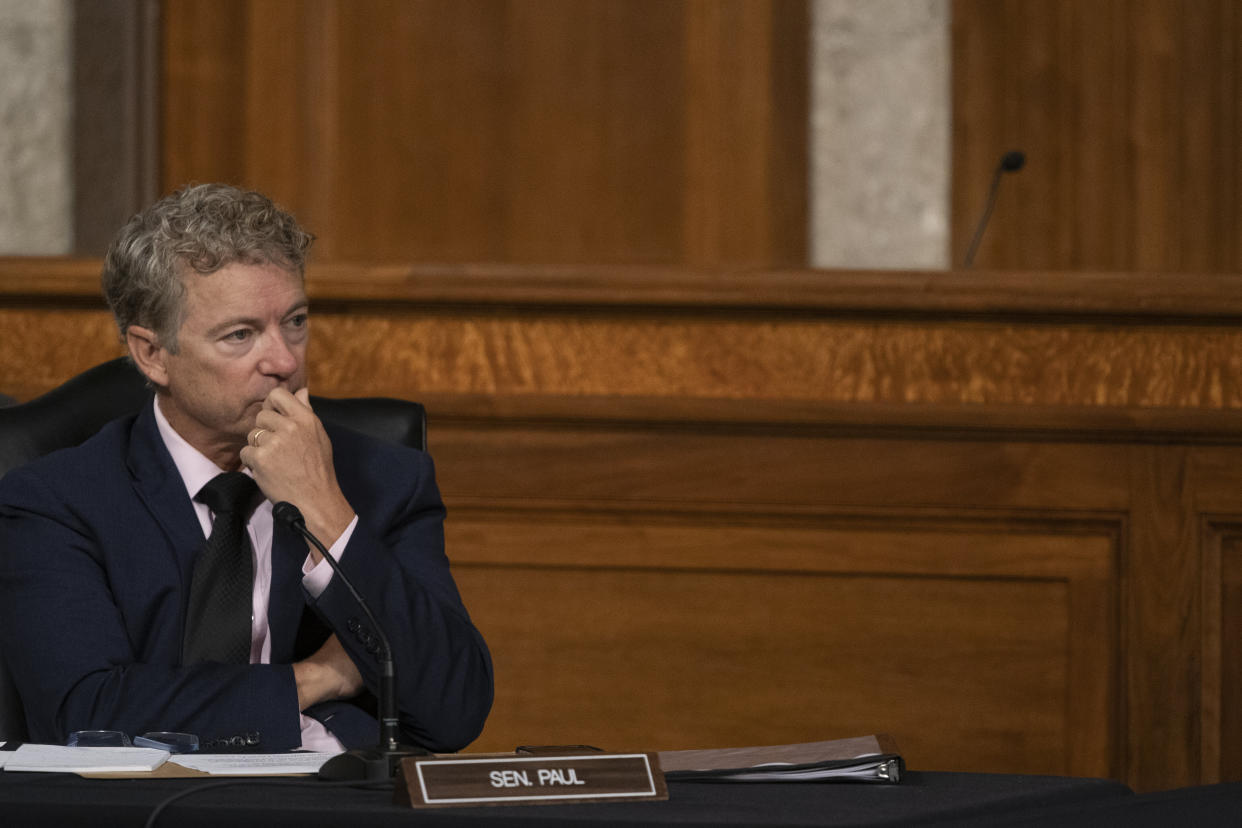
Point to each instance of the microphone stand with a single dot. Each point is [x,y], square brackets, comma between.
[1011,161]
[380,762]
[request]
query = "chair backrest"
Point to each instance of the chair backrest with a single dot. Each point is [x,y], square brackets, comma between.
[71,413]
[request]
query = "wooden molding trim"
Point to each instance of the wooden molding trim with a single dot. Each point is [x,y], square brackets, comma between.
[861,420]
[1141,298]
[1221,578]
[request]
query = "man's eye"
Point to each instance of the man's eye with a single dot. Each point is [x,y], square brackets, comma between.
[239,335]
[298,321]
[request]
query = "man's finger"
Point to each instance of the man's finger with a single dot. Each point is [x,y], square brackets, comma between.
[268,418]
[283,402]
[279,399]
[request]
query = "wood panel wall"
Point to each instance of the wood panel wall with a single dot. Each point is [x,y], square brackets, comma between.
[115,117]
[501,130]
[996,515]
[1129,113]
[602,131]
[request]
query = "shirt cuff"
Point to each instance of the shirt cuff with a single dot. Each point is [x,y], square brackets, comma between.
[318,738]
[315,576]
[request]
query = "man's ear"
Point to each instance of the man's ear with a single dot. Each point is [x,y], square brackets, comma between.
[145,351]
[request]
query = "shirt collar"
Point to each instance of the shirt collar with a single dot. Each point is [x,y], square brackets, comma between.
[193,466]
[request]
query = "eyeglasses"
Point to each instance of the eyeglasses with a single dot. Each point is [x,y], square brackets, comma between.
[162,739]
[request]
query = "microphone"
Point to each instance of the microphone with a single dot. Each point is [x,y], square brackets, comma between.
[1011,161]
[380,762]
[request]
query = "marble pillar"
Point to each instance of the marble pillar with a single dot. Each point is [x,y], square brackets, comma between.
[879,133]
[36,102]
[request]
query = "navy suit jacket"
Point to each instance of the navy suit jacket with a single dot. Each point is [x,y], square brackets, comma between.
[97,546]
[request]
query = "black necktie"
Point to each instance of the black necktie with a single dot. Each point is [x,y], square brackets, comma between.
[218,616]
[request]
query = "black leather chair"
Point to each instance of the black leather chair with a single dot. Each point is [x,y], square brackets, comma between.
[69,414]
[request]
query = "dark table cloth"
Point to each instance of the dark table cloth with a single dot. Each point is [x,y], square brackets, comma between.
[920,799]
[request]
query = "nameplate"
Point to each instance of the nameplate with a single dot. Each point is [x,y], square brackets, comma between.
[457,781]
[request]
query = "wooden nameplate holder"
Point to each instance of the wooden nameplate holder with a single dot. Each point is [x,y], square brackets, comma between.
[472,780]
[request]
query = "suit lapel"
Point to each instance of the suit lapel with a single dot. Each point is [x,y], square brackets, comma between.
[162,492]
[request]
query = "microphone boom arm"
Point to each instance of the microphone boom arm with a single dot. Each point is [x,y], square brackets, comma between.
[390,748]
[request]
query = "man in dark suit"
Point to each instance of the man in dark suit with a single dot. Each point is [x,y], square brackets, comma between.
[105,621]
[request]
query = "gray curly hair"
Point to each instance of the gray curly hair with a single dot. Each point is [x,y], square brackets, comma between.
[201,228]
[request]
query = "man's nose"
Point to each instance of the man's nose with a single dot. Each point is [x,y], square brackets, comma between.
[278,358]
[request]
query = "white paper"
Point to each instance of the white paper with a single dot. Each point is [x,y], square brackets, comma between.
[252,764]
[60,759]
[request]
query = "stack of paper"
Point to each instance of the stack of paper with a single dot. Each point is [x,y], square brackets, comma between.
[133,760]
[59,759]
[252,764]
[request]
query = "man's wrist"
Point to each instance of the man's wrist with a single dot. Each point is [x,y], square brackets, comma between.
[309,679]
[328,674]
[327,525]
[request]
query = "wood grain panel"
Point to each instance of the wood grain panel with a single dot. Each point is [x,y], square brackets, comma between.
[686,638]
[290,108]
[752,659]
[1229,688]
[1128,113]
[839,360]
[757,465]
[1217,482]
[717,533]
[115,118]
[40,349]
[741,148]
[719,359]
[670,506]
[439,116]
[815,337]
[1163,666]
[466,130]
[203,71]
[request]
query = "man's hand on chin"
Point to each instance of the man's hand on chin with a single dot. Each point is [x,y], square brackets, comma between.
[291,458]
[326,675]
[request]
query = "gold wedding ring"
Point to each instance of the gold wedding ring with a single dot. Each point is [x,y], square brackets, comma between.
[254,436]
